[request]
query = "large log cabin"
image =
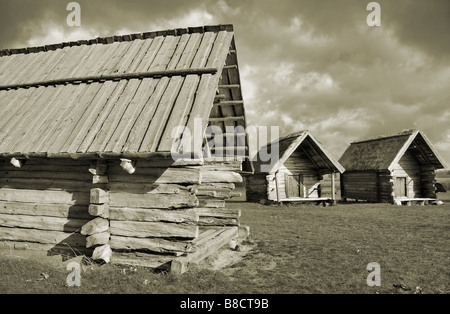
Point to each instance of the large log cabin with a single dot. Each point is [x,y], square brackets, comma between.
[87,146]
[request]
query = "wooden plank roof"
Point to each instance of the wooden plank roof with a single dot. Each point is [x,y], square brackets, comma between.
[119,96]
[304,140]
[383,152]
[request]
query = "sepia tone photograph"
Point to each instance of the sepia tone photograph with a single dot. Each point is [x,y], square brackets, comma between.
[224,152]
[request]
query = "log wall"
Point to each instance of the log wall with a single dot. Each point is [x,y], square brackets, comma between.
[428,180]
[218,181]
[45,202]
[385,187]
[153,209]
[361,185]
[92,205]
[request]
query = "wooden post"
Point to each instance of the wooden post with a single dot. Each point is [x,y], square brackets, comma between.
[277,186]
[333,188]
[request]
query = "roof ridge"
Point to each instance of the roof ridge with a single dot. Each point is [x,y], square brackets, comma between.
[382,137]
[293,134]
[120,38]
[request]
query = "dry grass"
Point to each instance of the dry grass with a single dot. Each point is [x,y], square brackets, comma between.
[296,249]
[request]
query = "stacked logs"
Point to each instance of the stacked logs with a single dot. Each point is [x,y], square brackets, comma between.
[217,186]
[43,204]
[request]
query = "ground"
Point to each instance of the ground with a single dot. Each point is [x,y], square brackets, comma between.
[299,249]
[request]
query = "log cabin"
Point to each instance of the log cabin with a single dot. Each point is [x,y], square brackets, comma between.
[298,174]
[398,168]
[89,159]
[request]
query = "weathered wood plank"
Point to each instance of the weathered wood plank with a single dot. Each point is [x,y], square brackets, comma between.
[42,236]
[45,184]
[44,196]
[51,112]
[148,244]
[216,221]
[42,222]
[153,229]
[137,133]
[51,210]
[210,202]
[219,212]
[217,240]
[156,261]
[220,176]
[69,120]
[168,162]
[158,176]
[141,214]
[105,106]
[120,136]
[167,201]
[142,188]
[178,116]
[110,122]
[74,176]
[158,123]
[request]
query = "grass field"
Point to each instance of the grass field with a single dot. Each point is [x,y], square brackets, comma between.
[298,249]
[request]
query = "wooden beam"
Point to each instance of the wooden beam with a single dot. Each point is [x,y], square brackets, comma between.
[204,248]
[113,77]
[210,135]
[219,96]
[223,119]
[277,186]
[230,67]
[230,86]
[333,187]
[422,153]
[150,244]
[229,102]
[309,157]
[144,229]
[318,154]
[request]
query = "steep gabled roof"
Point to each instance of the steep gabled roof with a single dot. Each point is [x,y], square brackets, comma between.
[290,143]
[383,152]
[115,96]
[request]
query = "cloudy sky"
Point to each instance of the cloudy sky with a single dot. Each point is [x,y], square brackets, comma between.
[305,64]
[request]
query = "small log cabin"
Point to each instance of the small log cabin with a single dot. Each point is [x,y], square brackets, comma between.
[297,175]
[87,146]
[399,169]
